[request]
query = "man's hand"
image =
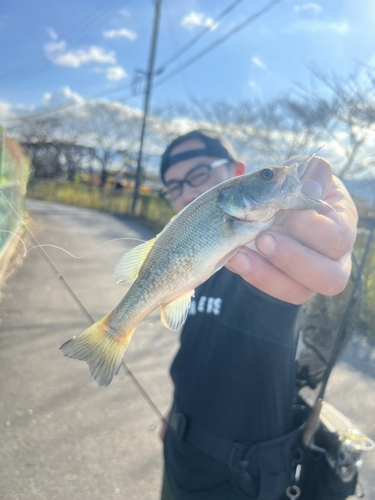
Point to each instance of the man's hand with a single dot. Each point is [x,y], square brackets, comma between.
[304,252]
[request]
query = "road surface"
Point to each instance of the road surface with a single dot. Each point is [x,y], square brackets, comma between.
[63,437]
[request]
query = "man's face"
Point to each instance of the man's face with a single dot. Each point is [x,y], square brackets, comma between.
[179,171]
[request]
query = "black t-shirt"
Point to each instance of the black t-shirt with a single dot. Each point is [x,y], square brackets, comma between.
[234,373]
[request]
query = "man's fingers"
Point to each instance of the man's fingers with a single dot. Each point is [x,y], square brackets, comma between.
[320,233]
[306,252]
[311,269]
[330,232]
[263,275]
[317,178]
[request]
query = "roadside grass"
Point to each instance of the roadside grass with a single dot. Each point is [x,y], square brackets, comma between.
[150,207]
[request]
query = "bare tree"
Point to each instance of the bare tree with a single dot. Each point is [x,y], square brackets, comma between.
[351,128]
[97,135]
[261,133]
[289,126]
[110,130]
[37,136]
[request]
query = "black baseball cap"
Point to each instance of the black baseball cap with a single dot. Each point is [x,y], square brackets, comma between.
[214,145]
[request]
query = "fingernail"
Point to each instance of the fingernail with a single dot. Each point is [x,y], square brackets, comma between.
[240,263]
[311,187]
[266,245]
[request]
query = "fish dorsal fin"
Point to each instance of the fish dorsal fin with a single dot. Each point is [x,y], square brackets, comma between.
[174,314]
[127,268]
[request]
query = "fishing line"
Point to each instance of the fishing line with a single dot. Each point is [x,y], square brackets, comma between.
[88,253]
[17,236]
[57,273]
[27,250]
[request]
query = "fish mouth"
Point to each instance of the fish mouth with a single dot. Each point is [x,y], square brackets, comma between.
[228,217]
[232,218]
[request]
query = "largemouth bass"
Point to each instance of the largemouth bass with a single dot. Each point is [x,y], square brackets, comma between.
[192,247]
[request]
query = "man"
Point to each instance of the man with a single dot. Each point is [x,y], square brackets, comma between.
[234,379]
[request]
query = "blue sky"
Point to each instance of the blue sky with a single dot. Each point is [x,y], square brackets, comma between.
[52,52]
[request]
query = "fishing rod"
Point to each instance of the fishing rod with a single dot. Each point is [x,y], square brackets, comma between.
[75,298]
[313,421]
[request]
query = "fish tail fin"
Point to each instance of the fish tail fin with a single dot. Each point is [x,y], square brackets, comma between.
[102,347]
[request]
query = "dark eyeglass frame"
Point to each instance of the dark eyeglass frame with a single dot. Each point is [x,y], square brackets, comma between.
[179,185]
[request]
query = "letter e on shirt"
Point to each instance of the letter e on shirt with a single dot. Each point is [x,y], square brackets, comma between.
[206,305]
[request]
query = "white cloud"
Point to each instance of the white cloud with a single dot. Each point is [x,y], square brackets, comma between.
[62,97]
[6,112]
[124,12]
[52,33]
[315,26]
[116,73]
[251,84]
[50,100]
[255,60]
[210,23]
[194,19]
[56,52]
[53,48]
[121,33]
[308,6]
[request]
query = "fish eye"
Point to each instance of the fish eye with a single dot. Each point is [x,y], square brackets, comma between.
[266,174]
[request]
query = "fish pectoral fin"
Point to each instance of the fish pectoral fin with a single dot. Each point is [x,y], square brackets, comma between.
[174,314]
[127,268]
[102,347]
[223,261]
[226,227]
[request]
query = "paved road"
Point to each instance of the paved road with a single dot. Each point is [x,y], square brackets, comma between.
[62,435]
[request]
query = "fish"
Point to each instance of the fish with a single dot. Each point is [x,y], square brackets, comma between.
[195,244]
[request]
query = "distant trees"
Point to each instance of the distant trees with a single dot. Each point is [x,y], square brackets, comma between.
[104,136]
[94,136]
[262,133]
[339,113]
[111,130]
[351,127]
[38,136]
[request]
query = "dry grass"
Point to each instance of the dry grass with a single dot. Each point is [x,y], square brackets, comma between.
[149,208]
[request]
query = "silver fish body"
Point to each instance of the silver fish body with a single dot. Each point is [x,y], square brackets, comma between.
[191,248]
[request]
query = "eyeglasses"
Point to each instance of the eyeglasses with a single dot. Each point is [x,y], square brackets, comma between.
[194,178]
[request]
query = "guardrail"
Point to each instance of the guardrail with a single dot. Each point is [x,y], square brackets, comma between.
[14,170]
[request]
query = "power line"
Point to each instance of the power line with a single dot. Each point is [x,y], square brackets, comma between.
[170,26]
[196,38]
[233,31]
[225,37]
[73,36]
[162,68]
[71,106]
[83,27]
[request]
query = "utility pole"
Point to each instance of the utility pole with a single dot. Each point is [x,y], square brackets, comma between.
[138,175]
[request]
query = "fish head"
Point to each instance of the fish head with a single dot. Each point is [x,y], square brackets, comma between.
[258,196]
